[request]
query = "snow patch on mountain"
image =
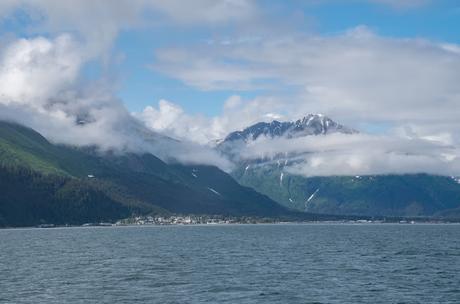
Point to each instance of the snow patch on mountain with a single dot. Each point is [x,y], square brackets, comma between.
[456,179]
[214,191]
[312,124]
[312,196]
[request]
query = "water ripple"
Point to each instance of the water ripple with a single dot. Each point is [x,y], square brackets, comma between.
[315,263]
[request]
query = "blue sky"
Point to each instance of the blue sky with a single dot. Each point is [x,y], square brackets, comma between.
[140,85]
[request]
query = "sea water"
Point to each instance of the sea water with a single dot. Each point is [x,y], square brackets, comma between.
[284,263]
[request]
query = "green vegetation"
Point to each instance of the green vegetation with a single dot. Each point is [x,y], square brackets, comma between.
[46,183]
[29,198]
[382,195]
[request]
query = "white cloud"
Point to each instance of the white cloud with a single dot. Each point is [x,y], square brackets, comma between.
[33,70]
[170,119]
[237,114]
[269,148]
[372,163]
[206,73]
[363,78]
[357,154]
[41,89]
[99,22]
[355,77]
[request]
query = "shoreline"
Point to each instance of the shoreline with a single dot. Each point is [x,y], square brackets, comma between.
[348,223]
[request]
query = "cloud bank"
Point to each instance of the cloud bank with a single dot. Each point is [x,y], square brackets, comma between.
[356,154]
[356,77]
[41,88]
[170,119]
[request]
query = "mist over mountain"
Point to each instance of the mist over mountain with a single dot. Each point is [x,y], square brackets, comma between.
[235,144]
[318,146]
[44,183]
[284,161]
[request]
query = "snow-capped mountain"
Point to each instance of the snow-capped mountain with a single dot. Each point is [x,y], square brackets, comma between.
[382,195]
[312,124]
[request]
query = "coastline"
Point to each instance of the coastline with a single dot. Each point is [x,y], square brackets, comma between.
[134,225]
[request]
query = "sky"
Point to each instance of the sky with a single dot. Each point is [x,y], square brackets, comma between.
[142,86]
[197,70]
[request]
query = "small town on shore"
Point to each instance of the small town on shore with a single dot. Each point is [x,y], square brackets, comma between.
[194,220]
[225,220]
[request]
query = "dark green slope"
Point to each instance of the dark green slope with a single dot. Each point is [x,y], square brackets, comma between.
[29,198]
[120,184]
[380,195]
[210,180]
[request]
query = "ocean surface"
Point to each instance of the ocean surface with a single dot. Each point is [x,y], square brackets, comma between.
[285,263]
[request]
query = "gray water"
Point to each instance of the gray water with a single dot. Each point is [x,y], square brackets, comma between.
[313,263]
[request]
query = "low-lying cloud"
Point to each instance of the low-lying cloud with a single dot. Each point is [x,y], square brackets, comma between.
[170,119]
[356,154]
[41,88]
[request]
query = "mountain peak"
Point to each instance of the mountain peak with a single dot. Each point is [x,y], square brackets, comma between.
[311,124]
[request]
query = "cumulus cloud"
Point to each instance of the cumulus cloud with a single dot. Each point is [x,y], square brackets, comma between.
[31,70]
[170,119]
[403,150]
[357,77]
[41,88]
[41,76]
